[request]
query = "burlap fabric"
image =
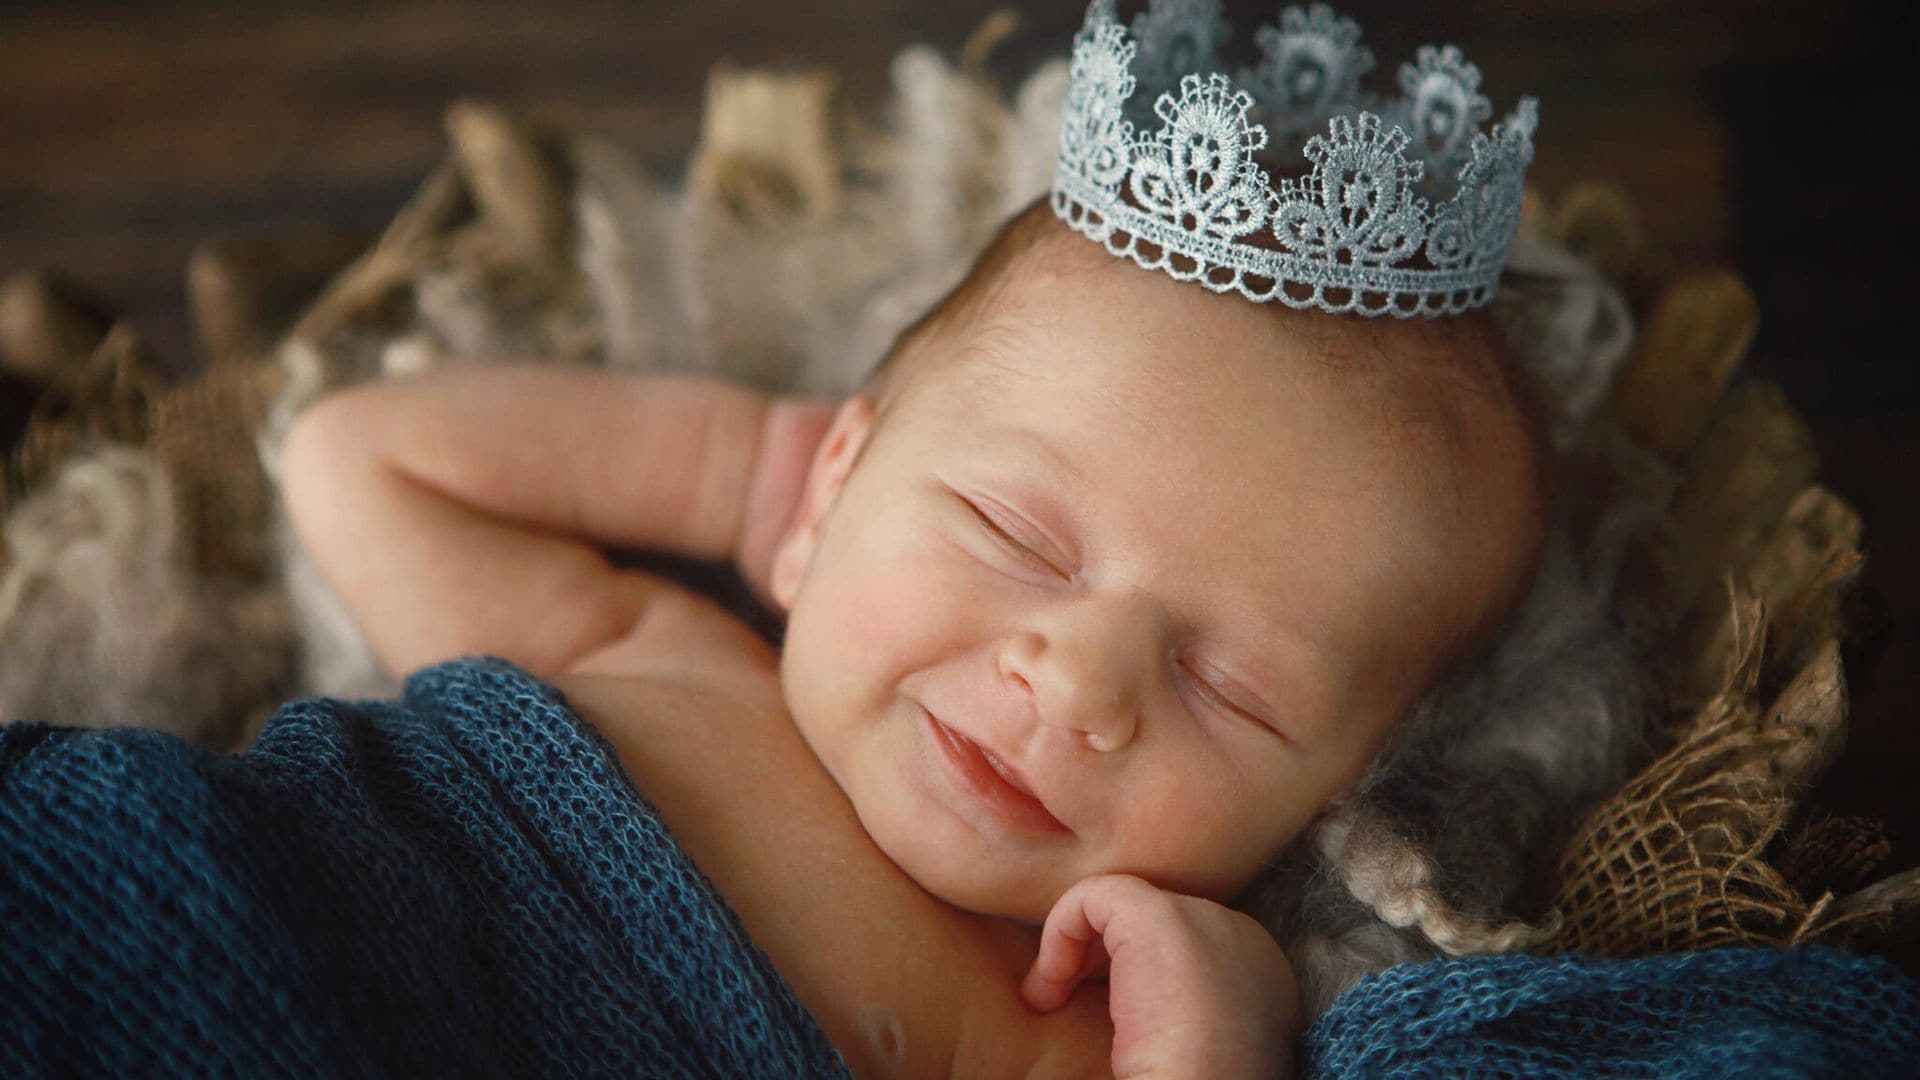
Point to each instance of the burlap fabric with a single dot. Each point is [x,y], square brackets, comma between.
[1738,603]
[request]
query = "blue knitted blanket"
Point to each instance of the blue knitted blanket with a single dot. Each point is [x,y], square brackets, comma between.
[464,882]
[459,883]
[1744,1013]
[1747,1013]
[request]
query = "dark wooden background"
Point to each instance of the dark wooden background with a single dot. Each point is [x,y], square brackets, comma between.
[1752,135]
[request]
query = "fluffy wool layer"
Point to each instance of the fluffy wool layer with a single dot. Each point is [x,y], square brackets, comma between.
[103,623]
[1442,848]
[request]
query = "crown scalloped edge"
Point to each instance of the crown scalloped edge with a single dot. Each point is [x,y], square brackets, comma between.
[1358,233]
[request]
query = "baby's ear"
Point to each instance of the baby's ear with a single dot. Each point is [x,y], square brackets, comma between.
[831,464]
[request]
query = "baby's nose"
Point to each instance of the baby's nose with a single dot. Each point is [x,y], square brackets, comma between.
[1088,665]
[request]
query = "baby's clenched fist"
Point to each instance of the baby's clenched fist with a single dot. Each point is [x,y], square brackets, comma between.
[1194,988]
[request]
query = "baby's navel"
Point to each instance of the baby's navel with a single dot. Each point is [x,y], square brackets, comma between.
[885,1037]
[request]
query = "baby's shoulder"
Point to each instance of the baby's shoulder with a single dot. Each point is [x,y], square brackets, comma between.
[685,634]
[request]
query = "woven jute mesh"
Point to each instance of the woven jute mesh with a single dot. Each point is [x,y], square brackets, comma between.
[1677,858]
[1833,853]
[1737,602]
[203,433]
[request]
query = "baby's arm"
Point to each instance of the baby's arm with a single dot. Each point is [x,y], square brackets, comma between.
[468,510]
[1193,988]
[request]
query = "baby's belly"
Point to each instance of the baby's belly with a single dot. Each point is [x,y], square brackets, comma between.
[902,983]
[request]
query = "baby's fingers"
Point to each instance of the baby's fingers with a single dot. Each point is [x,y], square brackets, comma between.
[1067,957]
[1071,946]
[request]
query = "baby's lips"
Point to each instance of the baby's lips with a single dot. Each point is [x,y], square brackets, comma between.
[1007,774]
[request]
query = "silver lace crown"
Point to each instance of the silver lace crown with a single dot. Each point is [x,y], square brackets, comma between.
[1385,222]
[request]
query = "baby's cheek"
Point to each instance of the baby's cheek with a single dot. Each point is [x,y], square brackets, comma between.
[901,599]
[1213,824]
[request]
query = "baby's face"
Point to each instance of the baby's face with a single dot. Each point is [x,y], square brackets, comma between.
[1125,549]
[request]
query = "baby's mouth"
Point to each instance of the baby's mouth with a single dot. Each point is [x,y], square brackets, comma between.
[1012,778]
[985,775]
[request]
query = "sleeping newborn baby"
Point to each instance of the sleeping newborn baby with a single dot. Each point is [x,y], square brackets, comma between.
[1103,580]
[1101,590]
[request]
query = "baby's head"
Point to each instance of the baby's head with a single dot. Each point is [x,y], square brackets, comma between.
[1176,564]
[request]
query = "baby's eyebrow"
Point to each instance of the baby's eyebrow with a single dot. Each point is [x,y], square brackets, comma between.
[1050,454]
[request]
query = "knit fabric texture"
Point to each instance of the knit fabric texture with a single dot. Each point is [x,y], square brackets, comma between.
[460,882]
[1738,1012]
[465,882]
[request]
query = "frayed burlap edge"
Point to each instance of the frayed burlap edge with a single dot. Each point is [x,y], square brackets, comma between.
[1737,601]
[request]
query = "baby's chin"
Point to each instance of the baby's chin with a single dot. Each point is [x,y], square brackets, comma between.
[1001,892]
[992,899]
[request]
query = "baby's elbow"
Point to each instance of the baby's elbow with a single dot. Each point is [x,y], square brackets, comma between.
[324,445]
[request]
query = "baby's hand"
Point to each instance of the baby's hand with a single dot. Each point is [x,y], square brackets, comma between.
[1193,988]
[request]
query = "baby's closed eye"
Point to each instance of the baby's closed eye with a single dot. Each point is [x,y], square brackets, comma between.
[1223,693]
[1018,538]
[1022,541]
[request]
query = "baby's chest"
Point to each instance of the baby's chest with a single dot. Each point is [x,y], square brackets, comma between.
[894,977]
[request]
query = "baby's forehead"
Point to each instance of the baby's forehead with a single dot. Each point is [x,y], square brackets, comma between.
[1385,375]
[1060,317]
[1075,327]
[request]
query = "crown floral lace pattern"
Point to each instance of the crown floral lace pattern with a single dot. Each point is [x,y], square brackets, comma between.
[1408,207]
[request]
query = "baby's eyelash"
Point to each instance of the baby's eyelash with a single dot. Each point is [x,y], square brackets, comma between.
[1221,698]
[1006,537]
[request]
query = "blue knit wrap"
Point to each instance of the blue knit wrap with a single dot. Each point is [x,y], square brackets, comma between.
[1746,1013]
[462,882]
